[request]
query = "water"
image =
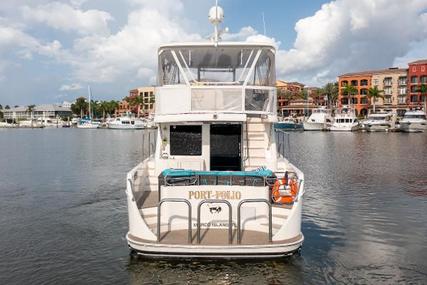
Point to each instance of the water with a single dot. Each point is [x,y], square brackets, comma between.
[63,212]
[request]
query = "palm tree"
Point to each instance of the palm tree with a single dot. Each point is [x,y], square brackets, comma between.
[136,101]
[349,90]
[7,107]
[375,93]
[80,106]
[30,110]
[331,92]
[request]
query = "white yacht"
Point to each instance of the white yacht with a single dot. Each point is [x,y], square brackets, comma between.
[345,120]
[414,121]
[216,185]
[319,120]
[126,123]
[379,122]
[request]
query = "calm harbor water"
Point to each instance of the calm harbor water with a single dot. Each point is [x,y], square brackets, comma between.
[63,212]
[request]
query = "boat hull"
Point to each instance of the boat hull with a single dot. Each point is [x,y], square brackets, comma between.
[310,126]
[378,128]
[125,127]
[275,250]
[87,126]
[289,127]
[344,128]
[413,127]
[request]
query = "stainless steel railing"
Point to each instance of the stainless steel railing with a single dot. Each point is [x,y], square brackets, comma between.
[270,217]
[230,217]
[174,200]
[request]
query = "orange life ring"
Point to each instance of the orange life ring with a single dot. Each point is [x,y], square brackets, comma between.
[288,199]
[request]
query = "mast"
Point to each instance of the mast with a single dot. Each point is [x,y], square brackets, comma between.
[90,93]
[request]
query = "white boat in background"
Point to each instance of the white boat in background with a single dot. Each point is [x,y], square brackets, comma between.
[413,121]
[345,120]
[49,122]
[378,122]
[319,120]
[125,123]
[216,185]
[87,122]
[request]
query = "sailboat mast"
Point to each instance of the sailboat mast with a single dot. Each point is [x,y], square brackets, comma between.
[90,94]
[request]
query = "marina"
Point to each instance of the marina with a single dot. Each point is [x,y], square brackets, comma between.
[363,219]
[234,157]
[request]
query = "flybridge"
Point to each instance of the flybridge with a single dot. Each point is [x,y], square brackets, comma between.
[227,78]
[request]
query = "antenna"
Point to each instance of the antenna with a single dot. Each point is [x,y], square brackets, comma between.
[263,22]
[216,16]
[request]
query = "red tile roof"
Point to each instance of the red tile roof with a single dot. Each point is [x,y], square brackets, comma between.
[421,61]
[372,72]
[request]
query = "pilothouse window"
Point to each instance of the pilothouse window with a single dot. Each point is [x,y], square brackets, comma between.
[186,140]
[217,65]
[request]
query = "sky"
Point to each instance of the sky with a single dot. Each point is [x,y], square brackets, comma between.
[50,51]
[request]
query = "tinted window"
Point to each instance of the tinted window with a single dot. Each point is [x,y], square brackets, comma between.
[186,140]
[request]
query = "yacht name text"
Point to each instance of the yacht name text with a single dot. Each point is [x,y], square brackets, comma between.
[227,195]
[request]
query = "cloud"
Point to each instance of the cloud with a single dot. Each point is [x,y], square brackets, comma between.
[71,87]
[66,18]
[132,51]
[13,38]
[346,35]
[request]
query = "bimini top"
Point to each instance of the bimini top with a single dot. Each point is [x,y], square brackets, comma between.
[219,44]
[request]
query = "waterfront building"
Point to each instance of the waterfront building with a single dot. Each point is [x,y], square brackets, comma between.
[362,81]
[287,93]
[39,111]
[391,81]
[417,78]
[146,108]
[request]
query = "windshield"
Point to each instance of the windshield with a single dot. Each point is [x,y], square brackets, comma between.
[217,65]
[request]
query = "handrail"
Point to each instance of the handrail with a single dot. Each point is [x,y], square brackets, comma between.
[230,217]
[270,217]
[174,200]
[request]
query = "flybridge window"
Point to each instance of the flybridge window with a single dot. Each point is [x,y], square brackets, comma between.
[186,140]
[217,65]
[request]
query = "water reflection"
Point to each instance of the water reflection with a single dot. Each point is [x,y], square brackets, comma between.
[280,271]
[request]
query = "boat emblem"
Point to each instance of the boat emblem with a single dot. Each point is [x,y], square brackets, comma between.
[215,210]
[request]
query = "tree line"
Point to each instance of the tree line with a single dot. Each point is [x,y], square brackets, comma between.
[99,109]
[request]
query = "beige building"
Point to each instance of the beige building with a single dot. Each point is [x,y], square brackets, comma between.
[393,82]
[148,102]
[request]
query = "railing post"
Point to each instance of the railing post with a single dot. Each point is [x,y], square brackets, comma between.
[174,200]
[230,217]
[270,217]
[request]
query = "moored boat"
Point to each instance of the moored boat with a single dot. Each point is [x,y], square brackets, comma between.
[414,121]
[289,124]
[378,122]
[319,120]
[125,123]
[216,185]
[345,120]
